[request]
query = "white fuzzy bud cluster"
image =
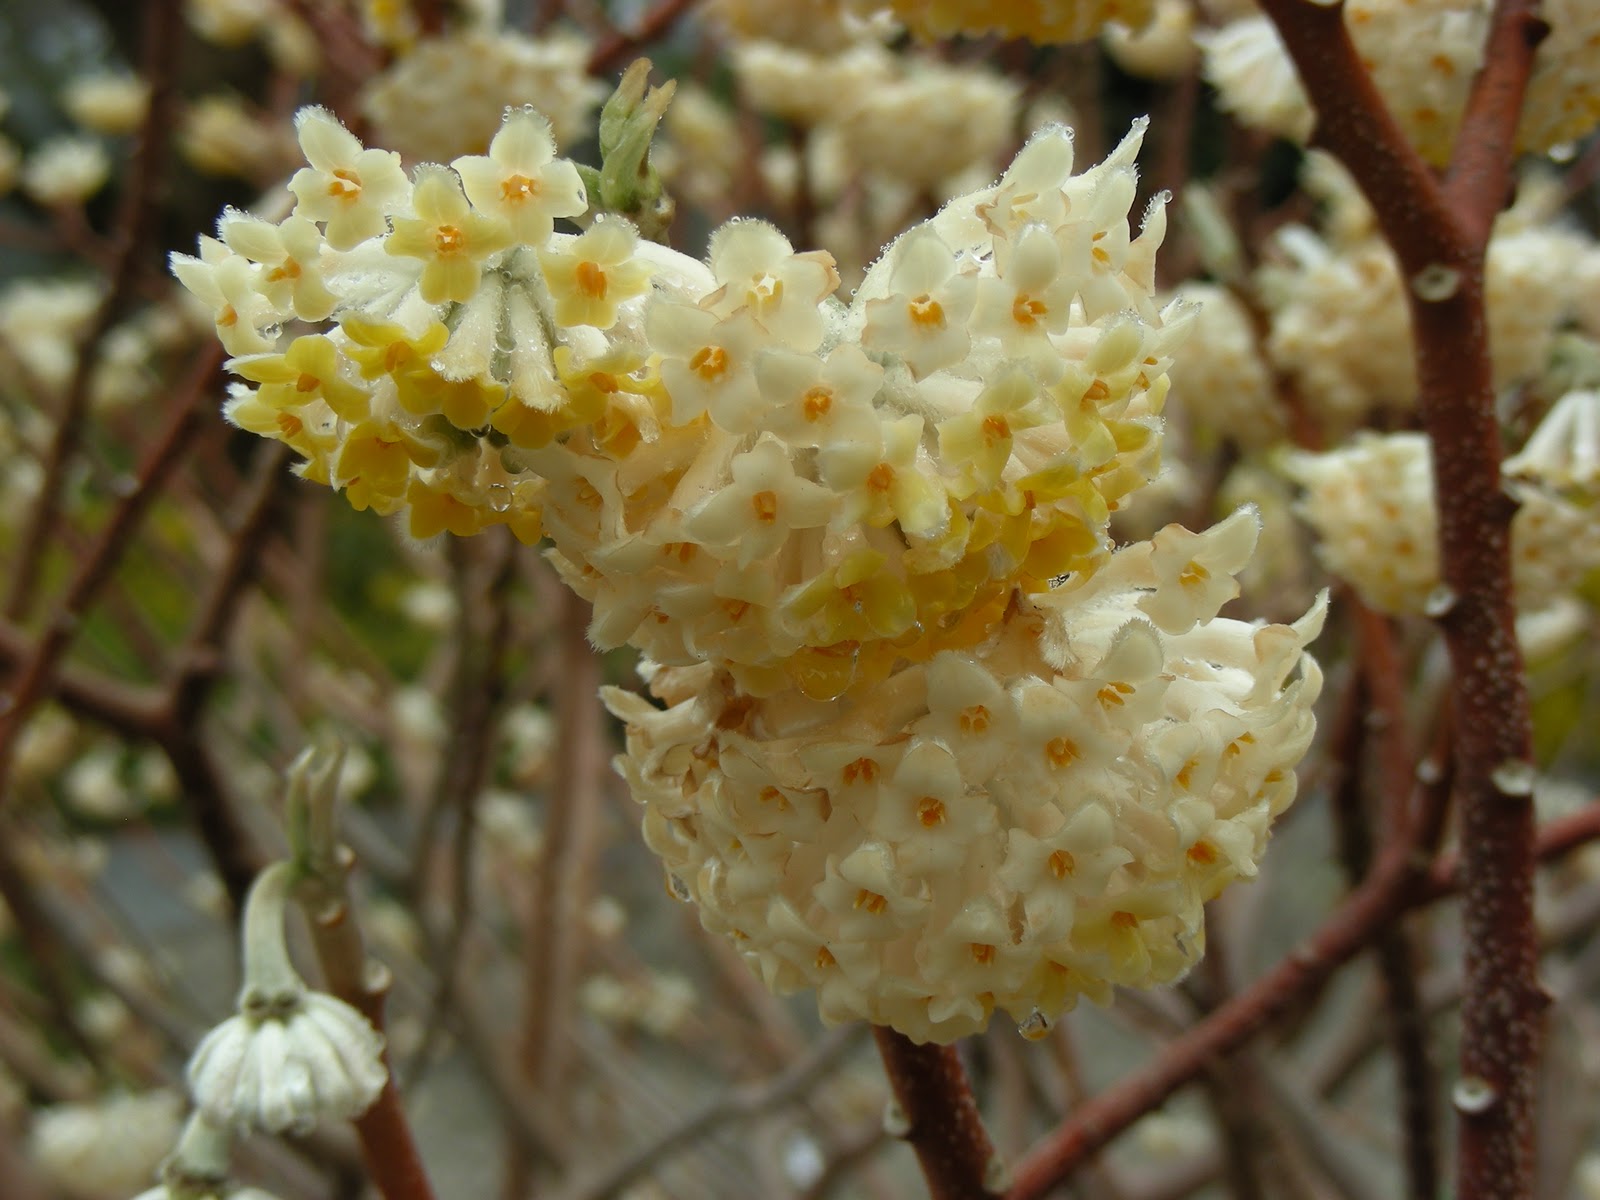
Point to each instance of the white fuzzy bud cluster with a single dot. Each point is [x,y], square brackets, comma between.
[1372,505]
[287,1060]
[1426,89]
[1005,827]
[107,1147]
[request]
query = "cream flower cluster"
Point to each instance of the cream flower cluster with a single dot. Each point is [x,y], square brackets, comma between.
[732,465]
[445,97]
[1425,89]
[1340,330]
[1373,508]
[1221,380]
[1037,817]
[907,118]
[981,759]
[1042,21]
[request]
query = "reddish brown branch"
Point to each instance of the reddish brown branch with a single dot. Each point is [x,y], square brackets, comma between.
[621,46]
[1439,232]
[941,1117]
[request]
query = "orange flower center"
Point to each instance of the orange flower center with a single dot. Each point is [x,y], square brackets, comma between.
[709,362]
[345,185]
[930,812]
[817,402]
[1062,864]
[765,505]
[973,719]
[591,280]
[926,311]
[448,240]
[881,478]
[515,189]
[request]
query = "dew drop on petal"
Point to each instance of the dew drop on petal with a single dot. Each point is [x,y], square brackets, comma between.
[1035,1026]
[895,1122]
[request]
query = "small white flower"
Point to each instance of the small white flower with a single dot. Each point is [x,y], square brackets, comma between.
[351,188]
[66,170]
[521,180]
[287,1061]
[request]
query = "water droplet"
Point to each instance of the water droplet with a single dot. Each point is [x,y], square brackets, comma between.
[123,486]
[895,1122]
[1563,152]
[679,889]
[1514,777]
[1436,282]
[1430,771]
[499,497]
[1440,601]
[1035,1026]
[1473,1094]
[996,1176]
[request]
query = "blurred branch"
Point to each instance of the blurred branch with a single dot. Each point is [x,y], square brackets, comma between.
[163,35]
[738,1104]
[621,46]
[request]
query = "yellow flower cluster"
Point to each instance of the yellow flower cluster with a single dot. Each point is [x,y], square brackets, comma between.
[733,465]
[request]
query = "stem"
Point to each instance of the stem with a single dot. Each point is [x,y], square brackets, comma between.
[268,972]
[1442,228]
[942,1121]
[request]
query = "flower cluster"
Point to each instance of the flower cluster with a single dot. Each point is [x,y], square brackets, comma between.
[1009,826]
[824,524]
[732,465]
[1042,21]
[1372,505]
[1427,93]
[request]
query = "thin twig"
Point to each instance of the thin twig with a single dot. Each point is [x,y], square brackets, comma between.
[742,1103]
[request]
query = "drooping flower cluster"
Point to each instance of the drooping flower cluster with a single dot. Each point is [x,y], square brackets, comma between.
[829,520]
[1008,826]
[1426,91]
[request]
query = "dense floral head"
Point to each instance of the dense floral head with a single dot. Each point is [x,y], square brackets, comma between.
[1008,826]
[733,465]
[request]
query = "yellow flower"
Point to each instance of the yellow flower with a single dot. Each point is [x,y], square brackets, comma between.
[451,240]
[594,274]
[375,464]
[384,348]
[348,187]
[433,512]
[308,370]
